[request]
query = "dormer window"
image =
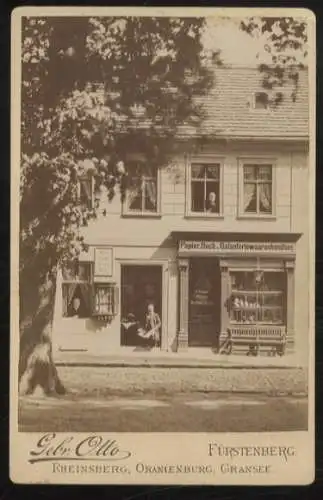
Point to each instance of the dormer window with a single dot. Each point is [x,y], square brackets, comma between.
[261,100]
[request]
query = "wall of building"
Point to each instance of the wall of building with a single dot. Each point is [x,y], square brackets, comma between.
[138,239]
[300,203]
[97,337]
[121,229]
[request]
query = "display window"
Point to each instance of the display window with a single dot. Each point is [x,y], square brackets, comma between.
[258,297]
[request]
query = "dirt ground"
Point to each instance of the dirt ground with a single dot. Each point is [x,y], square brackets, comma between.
[194,412]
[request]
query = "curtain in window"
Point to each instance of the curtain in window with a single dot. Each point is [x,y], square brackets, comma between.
[151,194]
[68,272]
[83,271]
[212,172]
[134,196]
[104,300]
[68,294]
[249,197]
[198,171]
[71,291]
[250,172]
[265,197]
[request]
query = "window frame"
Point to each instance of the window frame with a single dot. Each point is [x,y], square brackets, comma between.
[256,160]
[206,160]
[86,262]
[126,212]
[282,292]
[66,282]
[112,286]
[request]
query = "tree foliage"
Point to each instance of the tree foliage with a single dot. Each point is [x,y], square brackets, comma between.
[93,88]
[287,47]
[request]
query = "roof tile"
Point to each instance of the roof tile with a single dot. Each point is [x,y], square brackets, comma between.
[229,109]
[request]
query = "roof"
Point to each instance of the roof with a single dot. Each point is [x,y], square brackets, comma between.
[230,112]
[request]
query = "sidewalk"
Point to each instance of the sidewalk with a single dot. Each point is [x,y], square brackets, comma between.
[193,357]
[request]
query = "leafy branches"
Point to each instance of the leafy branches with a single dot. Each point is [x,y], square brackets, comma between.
[287,46]
[94,90]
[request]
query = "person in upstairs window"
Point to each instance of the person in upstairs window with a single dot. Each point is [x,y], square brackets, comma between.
[211,205]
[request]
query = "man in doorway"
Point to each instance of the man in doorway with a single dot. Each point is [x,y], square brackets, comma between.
[152,327]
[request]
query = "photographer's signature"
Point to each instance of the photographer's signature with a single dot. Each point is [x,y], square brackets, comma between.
[93,447]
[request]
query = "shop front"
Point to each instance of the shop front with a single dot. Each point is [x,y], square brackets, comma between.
[237,294]
[216,292]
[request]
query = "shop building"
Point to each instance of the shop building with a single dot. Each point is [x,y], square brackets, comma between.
[217,240]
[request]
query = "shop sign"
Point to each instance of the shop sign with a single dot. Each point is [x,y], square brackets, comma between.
[236,247]
[103,264]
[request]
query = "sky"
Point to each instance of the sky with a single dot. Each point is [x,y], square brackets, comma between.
[237,47]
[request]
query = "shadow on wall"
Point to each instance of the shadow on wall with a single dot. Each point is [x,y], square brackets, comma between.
[169,243]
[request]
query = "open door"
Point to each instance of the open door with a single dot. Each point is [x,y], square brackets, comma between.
[140,286]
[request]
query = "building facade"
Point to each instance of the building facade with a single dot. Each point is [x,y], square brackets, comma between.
[216,240]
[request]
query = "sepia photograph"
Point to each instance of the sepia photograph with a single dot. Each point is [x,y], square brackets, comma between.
[164,226]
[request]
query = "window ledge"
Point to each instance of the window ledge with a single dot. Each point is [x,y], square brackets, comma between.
[204,216]
[256,217]
[141,215]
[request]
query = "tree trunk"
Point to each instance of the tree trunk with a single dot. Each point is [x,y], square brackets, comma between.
[36,365]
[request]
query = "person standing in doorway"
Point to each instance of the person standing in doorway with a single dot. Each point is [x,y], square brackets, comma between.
[152,326]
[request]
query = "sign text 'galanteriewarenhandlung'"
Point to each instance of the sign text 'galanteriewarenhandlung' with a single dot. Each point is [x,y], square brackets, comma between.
[237,247]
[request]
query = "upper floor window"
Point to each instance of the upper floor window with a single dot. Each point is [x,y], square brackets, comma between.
[257,189]
[261,100]
[205,188]
[143,189]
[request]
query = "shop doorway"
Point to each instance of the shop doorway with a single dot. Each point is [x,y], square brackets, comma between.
[141,285]
[204,303]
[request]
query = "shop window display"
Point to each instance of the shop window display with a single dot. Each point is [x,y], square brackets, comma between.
[257,297]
